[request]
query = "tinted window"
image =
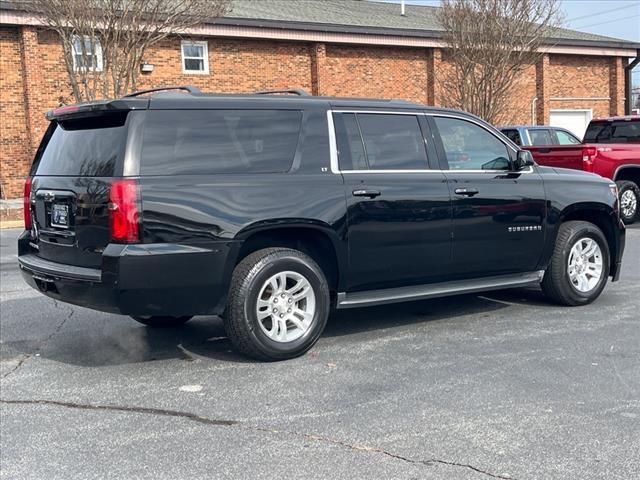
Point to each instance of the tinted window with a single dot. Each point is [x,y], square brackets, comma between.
[613,132]
[565,138]
[513,135]
[393,142]
[468,146]
[540,137]
[350,148]
[196,142]
[88,147]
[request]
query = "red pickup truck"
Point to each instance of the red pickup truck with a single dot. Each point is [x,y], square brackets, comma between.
[610,148]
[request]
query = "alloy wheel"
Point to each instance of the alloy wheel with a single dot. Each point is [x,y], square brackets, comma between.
[628,204]
[286,306]
[585,264]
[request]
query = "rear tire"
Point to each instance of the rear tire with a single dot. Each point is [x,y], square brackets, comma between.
[581,251]
[278,304]
[162,321]
[629,195]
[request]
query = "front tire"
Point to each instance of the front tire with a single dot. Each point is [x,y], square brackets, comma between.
[629,195]
[579,267]
[278,304]
[162,321]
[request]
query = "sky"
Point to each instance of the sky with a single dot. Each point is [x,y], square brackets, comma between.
[613,18]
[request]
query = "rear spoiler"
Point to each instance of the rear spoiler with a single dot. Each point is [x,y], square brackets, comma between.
[128,102]
[95,108]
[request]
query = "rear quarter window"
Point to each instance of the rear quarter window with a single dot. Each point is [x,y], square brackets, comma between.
[202,142]
[83,147]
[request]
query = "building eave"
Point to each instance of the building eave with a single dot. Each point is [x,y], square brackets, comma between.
[434,34]
[232,27]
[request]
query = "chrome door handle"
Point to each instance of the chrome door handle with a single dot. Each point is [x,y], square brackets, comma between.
[366,193]
[467,192]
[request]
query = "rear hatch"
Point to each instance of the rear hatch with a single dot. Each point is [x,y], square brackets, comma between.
[75,165]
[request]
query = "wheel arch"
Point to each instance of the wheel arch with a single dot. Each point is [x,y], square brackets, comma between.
[628,172]
[315,238]
[601,215]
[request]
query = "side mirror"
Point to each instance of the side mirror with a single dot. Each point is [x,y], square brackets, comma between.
[524,160]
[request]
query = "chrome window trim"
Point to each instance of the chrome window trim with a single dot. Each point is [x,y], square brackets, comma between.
[333,146]
[433,170]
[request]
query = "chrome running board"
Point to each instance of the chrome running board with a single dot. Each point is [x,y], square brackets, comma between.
[433,290]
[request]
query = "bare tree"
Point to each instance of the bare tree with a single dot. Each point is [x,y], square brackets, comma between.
[489,44]
[104,41]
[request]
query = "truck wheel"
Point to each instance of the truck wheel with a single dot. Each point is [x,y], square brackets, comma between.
[278,304]
[579,266]
[162,321]
[629,195]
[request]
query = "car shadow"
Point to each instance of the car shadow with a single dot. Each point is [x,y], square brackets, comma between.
[116,340]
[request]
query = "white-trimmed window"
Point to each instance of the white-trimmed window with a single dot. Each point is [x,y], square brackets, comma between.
[195,57]
[92,57]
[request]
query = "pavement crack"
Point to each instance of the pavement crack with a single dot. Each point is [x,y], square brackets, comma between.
[466,465]
[120,408]
[252,428]
[18,365]
[60,325]
[368,448]
[44,342]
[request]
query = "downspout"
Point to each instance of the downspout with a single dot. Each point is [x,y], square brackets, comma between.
[628,83]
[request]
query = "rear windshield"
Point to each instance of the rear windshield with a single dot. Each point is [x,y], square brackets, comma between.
[613,132]
[202,142]
[86,147]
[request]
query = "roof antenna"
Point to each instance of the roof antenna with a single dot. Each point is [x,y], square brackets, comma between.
[402,7]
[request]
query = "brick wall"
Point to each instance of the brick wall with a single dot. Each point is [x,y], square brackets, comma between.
[234,66]
[14,136]
[575,76]
[378,72]
[33,79]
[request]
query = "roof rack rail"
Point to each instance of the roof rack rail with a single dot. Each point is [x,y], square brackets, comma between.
[187,88]
[296,91]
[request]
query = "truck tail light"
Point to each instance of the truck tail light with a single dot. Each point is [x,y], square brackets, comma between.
[26,204]
[588,155]
[124,211]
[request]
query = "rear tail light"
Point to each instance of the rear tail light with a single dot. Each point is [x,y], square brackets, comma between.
[588,155]
[26,202]
[124,211]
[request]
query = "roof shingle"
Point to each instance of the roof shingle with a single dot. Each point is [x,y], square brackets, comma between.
[363,16]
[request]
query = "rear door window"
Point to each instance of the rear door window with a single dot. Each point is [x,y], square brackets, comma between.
[540,136]
[513,135]
[393,142]
[202,142]
[351,154]
[84,147]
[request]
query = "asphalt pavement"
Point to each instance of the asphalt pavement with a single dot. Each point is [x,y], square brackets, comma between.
[500,385]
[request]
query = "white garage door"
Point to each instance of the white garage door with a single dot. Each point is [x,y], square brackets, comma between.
[575,121]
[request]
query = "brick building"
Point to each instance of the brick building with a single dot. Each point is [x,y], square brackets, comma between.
[328,47]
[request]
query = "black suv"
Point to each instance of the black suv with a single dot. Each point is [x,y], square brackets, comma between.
[270,209]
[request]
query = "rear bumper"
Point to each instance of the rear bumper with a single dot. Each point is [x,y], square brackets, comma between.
[145,279]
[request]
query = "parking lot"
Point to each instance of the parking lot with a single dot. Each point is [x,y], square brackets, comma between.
[501,385]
